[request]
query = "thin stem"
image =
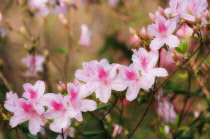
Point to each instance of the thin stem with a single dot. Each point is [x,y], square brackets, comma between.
[62,133]
[6,83]
[116,98]
[16,132]
[202,115]
[186,99]
[178,68]
[148,106]
[144,114]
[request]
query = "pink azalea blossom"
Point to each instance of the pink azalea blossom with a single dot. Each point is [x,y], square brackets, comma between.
[3,31]
[117,130]
[162,31]
[40,6]
[113,3]
[130,77]
[145,63]
[11,103]
[58,110]
[76,96]
[197,6]
[105,80]
[184,31]
[88,71]
[34,64]
[178,10]
[166,110]
[35,93]
[85,36]
[25,111]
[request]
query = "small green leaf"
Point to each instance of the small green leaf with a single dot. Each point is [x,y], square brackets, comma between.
[62,49]
[182,47]
[92,133]
[207,61]
[102,107]
[186,128]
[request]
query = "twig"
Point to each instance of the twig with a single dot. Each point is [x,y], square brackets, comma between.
[5,81]
[116,98]
[178,68]
[186,99]
[62,133]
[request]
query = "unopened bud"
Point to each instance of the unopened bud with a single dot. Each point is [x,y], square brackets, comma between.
[152,16]
[62,88]
[143,33]
[63,19]
[0,17]
[199,18]
[161,11]
[23,31]
[207,15]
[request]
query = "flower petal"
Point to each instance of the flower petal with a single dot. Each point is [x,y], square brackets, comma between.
[156,44]
[88,105]
[132,92]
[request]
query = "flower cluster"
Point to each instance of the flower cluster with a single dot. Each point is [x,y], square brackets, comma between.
[31,107]
[169,21]
[100,77]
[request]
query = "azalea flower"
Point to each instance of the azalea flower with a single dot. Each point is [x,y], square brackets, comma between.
[35,93]
[145,63]
[11,103]
[113,3]
[85,36]
[166,110]
[58,110]
[102,78]
[39,6]
[75,97]
[162,31]
[178,9]
[34,64]
[130,77]
[25,111]
[117,130]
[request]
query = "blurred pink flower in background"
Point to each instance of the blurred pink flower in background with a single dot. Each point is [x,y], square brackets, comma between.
[3,31]
[34,64]
[11,102]
[184,32]
[117,130]
[113,3]
[39,6]
[85,36]
[167,111]
[167,61]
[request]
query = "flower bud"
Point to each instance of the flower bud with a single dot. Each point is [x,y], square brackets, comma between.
[207,15]
[143,34]
[0,17]
[62,87]
[152,16]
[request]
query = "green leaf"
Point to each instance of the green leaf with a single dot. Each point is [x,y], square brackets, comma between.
[207,61]
[186,128]
[62,49]
[182,47]
[92,133]
[102,107]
